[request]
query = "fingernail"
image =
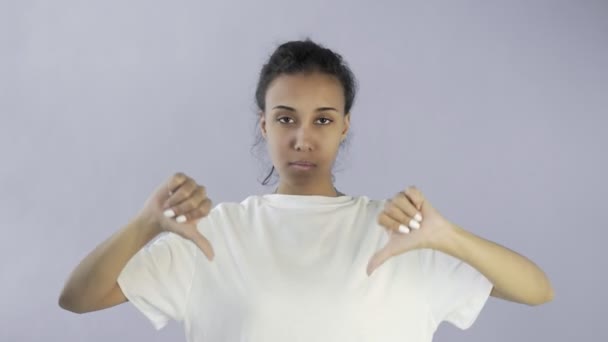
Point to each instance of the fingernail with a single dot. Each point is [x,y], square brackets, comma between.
[418,217]
[169,213]
[414,224]
[403,229]
[181,219]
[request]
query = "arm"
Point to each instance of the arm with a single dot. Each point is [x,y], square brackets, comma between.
[515,278]
[92,285]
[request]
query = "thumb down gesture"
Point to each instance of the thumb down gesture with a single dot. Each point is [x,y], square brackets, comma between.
[177,206]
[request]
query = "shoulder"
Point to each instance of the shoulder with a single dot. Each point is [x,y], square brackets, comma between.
[371,205]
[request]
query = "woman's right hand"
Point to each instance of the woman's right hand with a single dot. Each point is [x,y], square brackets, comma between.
[177,206]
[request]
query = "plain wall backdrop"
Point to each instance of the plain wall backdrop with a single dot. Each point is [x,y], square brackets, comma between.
[496,110]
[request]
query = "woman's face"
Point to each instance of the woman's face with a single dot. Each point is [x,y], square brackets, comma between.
[304,124]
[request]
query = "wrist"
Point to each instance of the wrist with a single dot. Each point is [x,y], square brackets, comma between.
[146,224]
[445,238]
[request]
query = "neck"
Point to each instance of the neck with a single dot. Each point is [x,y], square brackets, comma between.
[286,189]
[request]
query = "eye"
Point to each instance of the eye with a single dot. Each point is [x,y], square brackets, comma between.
[326,120]
[281,119]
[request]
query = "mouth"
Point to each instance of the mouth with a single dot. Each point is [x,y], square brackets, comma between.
[302,164]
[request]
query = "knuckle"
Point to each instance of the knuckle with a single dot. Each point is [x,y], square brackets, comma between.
[393,210]
[176,181]
[189,204]
[193,213]
[191,184]
[208,202]
[405,210]
[199,212]
[400,216]
[185,182]
[179,209]
[200,193]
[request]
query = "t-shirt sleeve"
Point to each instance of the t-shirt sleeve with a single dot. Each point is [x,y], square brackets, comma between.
[456,291]
[157,279]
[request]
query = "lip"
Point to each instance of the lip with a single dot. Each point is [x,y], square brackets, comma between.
[304,163]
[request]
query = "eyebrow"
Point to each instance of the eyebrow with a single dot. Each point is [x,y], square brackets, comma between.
[320,109]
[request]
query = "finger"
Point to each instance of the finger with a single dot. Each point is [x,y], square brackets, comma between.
[181,194]
[396,209]
[378,259]
[391,224]
[175,181]
[410,217]
[201,242]
[415,196]
[196,198]
[199,211]
[190,232]
[403,202]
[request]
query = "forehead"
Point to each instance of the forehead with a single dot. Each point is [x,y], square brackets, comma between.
[300,88]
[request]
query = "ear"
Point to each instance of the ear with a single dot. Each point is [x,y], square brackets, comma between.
[346,126]
[262,121]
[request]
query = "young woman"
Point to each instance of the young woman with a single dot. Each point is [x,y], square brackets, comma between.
[307,262]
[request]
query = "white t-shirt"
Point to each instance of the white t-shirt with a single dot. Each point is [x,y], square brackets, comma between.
[293,268]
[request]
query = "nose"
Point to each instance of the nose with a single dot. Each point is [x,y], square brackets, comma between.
[303,140]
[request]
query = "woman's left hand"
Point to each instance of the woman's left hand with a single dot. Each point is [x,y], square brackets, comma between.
[412,223]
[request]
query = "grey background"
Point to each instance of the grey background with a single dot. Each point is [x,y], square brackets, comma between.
[495,110]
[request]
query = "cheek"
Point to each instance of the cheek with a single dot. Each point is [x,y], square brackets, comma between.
[276,145]
[335,150]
